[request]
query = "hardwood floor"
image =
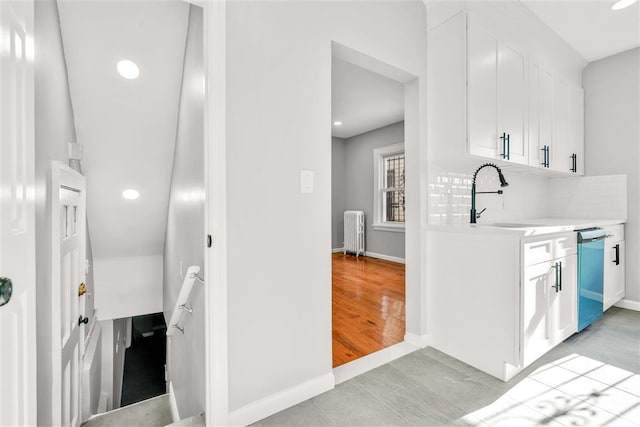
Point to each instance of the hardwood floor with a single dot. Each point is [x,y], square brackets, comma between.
[368,306]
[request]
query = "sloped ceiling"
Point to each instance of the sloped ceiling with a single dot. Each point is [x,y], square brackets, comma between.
[591,27]
[363,100]
[127,127]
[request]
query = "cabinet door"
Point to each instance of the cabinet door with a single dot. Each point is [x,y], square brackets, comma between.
[559,156]
[511,104]
[576,128]
[538,279]
[563,299]
[614,275]
[482,90]
[533,125]
[545,113]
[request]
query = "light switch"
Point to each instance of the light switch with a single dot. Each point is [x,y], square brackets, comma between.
[306,181]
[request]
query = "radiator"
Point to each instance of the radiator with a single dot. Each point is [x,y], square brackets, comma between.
[354,232]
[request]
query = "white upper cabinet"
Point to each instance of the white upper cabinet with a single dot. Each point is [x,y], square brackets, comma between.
[503,80]
[482,91]
[559,148]
[576,129]
[496,97]
[512,104]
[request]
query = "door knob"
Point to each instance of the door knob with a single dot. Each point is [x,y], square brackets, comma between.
[6,289]
[82,289]
[82,320]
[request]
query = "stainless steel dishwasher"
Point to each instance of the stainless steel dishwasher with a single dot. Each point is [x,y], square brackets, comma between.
[590,275]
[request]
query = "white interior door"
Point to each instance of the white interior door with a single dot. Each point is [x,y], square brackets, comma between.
[18,404]
[68,273]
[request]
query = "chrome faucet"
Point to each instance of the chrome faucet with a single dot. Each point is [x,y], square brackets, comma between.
[503,183]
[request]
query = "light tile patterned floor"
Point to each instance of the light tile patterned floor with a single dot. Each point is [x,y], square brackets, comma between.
[591,379]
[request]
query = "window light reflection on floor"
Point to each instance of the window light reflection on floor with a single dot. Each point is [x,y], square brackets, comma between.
[572,391]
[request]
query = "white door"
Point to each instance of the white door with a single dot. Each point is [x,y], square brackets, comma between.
[68,227]
[614,267]
[576,129]
[512,105]
[545,115]
[482,91]
[560,156]
[537,281]
[18,404]
[563,303]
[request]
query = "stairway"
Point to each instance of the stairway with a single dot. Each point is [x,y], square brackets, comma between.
[151,412]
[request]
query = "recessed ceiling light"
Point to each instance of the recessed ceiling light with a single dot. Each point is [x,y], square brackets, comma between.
[337,123]
[130,194]
[621,4]
[128,69]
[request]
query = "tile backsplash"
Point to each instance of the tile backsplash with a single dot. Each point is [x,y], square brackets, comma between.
[526,197]
[589,197]
[450,196]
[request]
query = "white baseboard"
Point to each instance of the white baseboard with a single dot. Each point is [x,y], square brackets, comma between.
[175,415]
[336,250]
[284,399]
[385,257]
[371,361]
[419,341]
[628,304]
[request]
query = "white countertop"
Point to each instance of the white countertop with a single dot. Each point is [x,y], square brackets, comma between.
[527,227]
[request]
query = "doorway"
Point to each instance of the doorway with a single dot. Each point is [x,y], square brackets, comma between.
[368,187]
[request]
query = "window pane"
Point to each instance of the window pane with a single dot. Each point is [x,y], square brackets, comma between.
[394,171]
[394,206]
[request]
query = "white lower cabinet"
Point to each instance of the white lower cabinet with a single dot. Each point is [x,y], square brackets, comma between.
[499,302]
[614,266]
[549,298]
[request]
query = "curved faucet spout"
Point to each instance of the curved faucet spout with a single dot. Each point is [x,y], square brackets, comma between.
[503,183]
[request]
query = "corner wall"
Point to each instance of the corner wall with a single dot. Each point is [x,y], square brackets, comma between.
[184,239]
[612,139]
[278,99]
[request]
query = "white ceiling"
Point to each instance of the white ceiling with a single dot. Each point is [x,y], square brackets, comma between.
[363,100]
[590,27]
[127,127]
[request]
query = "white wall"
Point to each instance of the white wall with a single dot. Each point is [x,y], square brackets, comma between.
[54,128]
[359,184]
[184,238]
[128,286]
[612,135]
[278,87]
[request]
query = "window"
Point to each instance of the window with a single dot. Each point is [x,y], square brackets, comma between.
[389,180]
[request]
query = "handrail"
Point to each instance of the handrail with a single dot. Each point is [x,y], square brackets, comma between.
[181,306]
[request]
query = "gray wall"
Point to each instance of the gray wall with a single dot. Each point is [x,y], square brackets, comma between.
[356,189]
[338,192]
[612,139]
[184,240]
[54,127]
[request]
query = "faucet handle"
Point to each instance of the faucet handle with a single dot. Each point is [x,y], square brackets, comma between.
[479,214]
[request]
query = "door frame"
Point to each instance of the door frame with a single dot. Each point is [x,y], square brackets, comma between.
[62,176]
[415,188]
[215,260]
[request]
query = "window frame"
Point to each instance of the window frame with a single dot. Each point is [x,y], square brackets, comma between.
[379,155]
